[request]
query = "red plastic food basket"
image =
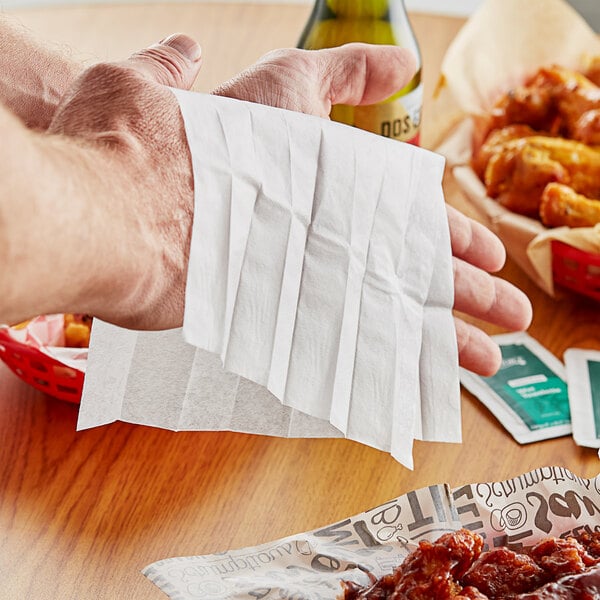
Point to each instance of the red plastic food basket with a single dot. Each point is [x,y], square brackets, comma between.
[40,370]
[575,269]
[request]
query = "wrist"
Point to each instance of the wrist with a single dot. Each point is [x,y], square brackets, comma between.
[35,101]
[72,242]
[104,268]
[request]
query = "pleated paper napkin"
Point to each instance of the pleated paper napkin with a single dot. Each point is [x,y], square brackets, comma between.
[319,292]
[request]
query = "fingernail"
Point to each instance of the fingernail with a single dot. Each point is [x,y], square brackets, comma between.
[185,45]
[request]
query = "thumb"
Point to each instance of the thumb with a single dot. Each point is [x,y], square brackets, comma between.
[174,61]
[364,73]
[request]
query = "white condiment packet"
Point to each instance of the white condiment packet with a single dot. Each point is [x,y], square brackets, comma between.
[583,377]
[529,393]
[320,269]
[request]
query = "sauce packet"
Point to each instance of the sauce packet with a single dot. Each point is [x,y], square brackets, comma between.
[529,394]
[583,374]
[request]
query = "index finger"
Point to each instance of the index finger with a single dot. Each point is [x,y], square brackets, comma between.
[364,73]
[474,243]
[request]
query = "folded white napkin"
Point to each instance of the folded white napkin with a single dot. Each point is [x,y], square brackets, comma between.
[320,269]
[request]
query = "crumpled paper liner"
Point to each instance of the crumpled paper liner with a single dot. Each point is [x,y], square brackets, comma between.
[498,47]
[46,334]
[549,501]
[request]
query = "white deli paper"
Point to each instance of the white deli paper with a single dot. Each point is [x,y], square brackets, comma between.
[320,270]
[517,513]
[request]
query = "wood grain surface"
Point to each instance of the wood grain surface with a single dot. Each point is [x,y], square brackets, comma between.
[82,513]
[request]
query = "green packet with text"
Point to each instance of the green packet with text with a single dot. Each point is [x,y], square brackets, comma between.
[529,394]
[583,375]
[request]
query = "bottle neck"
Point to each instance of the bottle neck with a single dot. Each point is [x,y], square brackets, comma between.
[357,9]
[337,22]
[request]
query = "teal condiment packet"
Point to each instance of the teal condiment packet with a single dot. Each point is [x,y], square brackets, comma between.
[583,375]
[529,394]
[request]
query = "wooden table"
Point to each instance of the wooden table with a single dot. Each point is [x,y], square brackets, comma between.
[82,513]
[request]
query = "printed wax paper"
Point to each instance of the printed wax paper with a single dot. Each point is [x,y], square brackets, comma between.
[549,501]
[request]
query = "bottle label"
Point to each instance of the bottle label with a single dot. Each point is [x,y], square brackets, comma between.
[399,119]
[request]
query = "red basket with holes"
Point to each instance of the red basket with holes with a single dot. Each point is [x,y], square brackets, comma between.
[43,372]
[576,270]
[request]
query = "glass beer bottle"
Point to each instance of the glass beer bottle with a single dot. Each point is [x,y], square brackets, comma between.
[337,22]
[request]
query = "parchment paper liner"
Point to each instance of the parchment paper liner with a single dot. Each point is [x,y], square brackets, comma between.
[46,334]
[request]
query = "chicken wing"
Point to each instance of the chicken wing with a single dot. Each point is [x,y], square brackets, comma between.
[553,100]
[455,567]
[561,205]
[592,71]
[494,142]
[431,571]
[586,127]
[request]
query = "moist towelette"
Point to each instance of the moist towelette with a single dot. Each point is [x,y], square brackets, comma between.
[319,292]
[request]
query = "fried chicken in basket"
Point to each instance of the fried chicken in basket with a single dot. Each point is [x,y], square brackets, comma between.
[495,143]
[455,567]
[546,132]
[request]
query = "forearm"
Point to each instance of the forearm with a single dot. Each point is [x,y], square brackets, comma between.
[68,238]
[33,75]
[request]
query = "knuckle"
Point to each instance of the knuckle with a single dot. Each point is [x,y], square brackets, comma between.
[108,78]
[166,64]
[283,55]
[463,335]
[461,231]
[103,104]
[346,70]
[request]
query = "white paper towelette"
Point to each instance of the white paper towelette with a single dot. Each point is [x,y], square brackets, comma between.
[320,270]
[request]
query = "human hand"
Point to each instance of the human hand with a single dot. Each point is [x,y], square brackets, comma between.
[134,127]
[477,252]
[157,299]
[311,81]
[131,141]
